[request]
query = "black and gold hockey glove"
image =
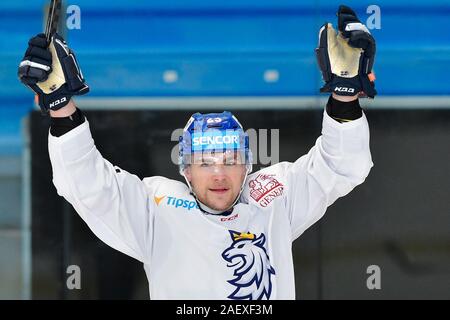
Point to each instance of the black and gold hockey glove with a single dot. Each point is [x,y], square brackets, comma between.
[52,72]
[346,58]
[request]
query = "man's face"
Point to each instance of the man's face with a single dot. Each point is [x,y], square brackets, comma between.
[216,178]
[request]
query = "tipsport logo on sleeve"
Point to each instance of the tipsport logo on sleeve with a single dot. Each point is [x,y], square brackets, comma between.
[177,203]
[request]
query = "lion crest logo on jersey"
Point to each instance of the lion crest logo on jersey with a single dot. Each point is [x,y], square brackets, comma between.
[252,270]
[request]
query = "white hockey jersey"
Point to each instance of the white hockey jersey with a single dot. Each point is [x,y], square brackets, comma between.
[190,255]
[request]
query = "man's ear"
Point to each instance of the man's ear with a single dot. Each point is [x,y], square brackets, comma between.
[187,173]
[244,171]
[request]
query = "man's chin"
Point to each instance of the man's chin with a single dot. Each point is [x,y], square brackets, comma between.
[219,205]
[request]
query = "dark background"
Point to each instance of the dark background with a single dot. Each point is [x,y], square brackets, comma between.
[397,219]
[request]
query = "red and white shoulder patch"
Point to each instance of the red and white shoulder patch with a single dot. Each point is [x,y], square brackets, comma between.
[265,188]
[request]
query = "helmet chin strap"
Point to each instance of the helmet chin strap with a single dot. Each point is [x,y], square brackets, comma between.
[205,209]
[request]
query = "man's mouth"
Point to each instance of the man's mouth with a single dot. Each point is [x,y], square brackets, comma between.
[219,190]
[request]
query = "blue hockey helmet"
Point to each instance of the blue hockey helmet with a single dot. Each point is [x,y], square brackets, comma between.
[213,133]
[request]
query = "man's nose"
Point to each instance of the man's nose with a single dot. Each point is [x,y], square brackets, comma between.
[219,171]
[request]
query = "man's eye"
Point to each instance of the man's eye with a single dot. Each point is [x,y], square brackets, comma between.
[207,163]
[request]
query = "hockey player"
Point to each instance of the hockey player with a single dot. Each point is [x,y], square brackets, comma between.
[227,233]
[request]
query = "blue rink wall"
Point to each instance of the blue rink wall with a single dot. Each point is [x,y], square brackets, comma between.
[221,49]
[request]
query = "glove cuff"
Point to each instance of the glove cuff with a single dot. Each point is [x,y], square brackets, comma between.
[58,99]
[343,86]
[360,84]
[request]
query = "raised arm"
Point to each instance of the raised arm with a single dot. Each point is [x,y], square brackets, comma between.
[113,202]
[340,159]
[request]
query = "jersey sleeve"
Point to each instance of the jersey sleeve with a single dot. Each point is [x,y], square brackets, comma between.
[113,202]
[338,162]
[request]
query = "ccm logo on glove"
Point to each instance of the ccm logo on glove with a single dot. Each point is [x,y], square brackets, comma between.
[344,89]
[56,102]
